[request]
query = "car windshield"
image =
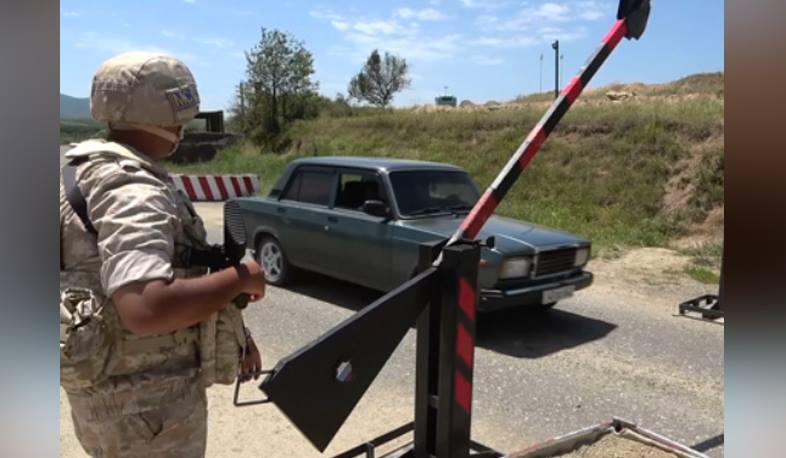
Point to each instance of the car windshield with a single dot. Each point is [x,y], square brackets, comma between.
[430,192]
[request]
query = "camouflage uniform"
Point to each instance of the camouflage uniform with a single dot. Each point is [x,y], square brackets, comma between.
[138,396]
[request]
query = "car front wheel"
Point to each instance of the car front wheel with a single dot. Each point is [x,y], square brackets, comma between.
[273,261]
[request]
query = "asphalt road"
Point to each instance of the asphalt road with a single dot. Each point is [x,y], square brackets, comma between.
[536,375]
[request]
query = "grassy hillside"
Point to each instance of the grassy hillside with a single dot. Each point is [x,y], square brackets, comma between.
[74,107]
[642,172]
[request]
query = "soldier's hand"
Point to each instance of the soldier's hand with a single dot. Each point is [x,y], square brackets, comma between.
[254,281]
[252,363]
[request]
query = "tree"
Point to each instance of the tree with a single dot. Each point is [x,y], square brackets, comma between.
[279,70]
[379,79]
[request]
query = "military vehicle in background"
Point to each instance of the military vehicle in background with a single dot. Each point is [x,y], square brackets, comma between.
[446,101]
[199,145]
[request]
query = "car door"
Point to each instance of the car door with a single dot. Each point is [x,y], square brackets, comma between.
[303,210]
[359,242]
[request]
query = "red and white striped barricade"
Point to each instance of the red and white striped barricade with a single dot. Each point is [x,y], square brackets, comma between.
[217,188]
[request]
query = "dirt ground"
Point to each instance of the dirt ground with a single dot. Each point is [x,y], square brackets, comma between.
[614,446]
[654,274]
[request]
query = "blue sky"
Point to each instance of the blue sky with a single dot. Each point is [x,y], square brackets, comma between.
[481,49]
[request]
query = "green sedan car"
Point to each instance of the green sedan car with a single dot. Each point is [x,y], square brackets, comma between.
[362,220]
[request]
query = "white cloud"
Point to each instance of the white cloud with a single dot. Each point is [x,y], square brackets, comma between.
[551,12]
[339,25]
[411,48]
[488,41]
[488,61]
[557,33]
[376,27]
[398,34]
[108,46]
[506,42]
[189,1]
[428,14]
[113,45]
[487,5]
[591,15]
[72,14]
[220,43]
[543,23]
[172,34]
[322,14]
[592,10]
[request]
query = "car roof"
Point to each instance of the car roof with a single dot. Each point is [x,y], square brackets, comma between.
[377,163]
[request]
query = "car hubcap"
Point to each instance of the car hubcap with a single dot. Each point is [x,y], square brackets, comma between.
[271,260]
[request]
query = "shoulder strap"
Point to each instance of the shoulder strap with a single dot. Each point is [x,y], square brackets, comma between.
[74,195]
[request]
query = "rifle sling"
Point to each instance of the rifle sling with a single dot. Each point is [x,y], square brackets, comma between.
[74,195]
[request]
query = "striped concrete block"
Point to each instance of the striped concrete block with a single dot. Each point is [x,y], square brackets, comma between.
[217,187]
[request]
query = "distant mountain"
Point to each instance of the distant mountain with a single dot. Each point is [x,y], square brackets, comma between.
[74,107]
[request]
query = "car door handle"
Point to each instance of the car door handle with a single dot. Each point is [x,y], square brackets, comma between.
[281,209]
[332,219]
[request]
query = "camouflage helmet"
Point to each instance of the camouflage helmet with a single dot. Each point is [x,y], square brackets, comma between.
[144,89]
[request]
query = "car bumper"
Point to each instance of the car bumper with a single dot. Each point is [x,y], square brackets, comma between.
[527,296]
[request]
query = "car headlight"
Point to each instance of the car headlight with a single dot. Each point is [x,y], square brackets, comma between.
[515,267]
[582,255]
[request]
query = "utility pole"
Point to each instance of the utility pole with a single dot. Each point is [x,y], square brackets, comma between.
[242,101]
[561,68]
[555,46]
[540,86]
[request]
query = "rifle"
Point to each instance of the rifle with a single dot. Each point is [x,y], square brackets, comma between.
[217,257]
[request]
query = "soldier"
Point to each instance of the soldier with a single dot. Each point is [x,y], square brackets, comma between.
[143,329]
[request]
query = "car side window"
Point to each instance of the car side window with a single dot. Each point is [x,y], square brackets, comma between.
[354,188]
[310,186]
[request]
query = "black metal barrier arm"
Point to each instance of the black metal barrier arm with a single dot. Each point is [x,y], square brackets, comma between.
[318,386]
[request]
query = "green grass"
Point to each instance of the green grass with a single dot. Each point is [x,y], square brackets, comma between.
[703,275]
[705,262]
[601,174]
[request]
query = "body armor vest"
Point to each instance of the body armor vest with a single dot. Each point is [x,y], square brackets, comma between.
[96,352]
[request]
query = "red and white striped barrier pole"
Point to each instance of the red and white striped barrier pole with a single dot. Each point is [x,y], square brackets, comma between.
[631,20]
[216,188]
[453,438]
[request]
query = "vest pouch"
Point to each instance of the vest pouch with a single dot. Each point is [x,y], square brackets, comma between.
[85,339]
[230,343]
[207,349]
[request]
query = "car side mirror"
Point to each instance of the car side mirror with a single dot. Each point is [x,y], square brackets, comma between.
[375,208]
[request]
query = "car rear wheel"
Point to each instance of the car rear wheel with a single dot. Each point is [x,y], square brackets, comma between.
[273,261]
